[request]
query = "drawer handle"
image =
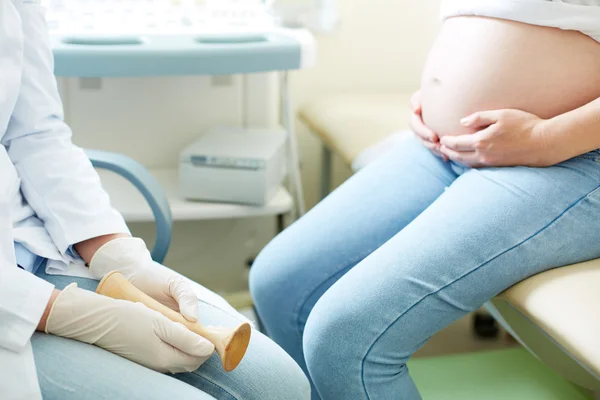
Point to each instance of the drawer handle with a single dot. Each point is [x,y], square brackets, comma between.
[230,39]
[103,41]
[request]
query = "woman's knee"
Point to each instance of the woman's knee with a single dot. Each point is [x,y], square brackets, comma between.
[269,373]
[283,376]
[346,326]
[273,276]
[332,339]
[264,274]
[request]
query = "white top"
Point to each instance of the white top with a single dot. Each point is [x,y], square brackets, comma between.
[576,15]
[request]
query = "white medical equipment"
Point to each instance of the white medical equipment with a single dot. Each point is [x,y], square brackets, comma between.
[178,37]
[320,16]
[123,17]
[181,16]
[234,165]
[132,38]
[325,17]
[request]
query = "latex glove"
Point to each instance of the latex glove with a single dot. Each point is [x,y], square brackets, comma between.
[128,329]
[130,257]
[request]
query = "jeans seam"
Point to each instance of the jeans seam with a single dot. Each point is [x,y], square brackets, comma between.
[577,202]
[214,384]
[232,315]
[590,157]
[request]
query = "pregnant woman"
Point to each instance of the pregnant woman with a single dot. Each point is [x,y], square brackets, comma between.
[502,183]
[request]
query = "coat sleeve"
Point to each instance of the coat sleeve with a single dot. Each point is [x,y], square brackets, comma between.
[58,180]
[23,296]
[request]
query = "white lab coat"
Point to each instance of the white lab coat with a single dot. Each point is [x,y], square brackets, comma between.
[38,165]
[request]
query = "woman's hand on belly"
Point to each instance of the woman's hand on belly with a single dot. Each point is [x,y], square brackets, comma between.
[428,137]
[503,138]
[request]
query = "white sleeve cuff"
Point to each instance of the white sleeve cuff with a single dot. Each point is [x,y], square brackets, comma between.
[23,299]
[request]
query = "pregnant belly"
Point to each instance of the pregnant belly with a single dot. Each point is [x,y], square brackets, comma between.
[480,64]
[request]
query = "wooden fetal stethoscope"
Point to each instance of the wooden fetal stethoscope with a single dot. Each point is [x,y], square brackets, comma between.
[230,343]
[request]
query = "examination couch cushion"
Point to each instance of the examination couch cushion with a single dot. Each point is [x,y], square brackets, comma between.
[350,123]
[555,314]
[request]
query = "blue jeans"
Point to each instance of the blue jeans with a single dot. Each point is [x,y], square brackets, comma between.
[71,370]
[404,248]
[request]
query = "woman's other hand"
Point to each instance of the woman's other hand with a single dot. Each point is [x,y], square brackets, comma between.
[429,138]
[504,138]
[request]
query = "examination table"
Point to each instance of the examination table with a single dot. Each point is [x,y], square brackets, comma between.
[555,315]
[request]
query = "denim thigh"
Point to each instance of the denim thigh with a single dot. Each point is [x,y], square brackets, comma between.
[71,370]
[406,246]
[291,274]
[491,228]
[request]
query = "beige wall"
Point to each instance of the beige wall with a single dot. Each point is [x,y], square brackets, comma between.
[380,46]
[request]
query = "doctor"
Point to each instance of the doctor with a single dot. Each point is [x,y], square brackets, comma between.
[58,339]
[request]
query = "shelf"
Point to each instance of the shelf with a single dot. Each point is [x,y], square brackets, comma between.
[133,206]
[98,56]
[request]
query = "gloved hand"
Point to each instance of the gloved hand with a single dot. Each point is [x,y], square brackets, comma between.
[128,329]
[131,258]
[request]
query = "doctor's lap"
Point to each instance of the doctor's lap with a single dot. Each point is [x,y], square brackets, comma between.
[72,370]
[404,248]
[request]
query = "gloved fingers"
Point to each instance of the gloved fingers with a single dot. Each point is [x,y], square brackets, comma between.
[182,362]
[182,338]
[185,296]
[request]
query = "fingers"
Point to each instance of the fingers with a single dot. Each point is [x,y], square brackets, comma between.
[182,339]
[422,131]
[434,148]
[185,296]
[462,142]
[481,119]
[428,137]
[182,362]
[415,102]
[468,158]
[417,124]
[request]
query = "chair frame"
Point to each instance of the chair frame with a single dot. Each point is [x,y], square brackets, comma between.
[153,193]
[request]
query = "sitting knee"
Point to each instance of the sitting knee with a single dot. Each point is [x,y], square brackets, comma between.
[330,335]
[272,373]
[271,276]
[263,275]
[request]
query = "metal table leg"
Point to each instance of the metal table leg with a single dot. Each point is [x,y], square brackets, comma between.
[294,158]
[326,159]
[280,223]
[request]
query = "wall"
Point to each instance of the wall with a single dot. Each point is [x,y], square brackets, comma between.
[380,46]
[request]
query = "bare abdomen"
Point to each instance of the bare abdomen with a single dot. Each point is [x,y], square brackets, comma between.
[480,64]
